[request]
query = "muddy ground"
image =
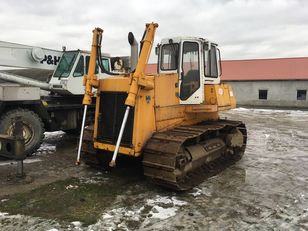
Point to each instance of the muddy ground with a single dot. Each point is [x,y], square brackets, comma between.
[266,190]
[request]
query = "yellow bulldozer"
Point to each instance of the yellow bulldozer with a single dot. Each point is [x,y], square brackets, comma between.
[170,119]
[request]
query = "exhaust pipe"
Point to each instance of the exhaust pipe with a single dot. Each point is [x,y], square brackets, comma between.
[133,51]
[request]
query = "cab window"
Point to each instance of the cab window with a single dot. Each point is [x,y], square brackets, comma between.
[210,61]
[169,57]
[87,65]
[79,70]
[66,63]
[190,75]
[106,64]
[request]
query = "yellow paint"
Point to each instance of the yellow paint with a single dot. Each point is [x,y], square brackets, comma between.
[201,108]
[144,121]
[219,96]
[96,117]
[90,79]
[45,104]
[169,112]
[138,79]
[158,109]
[110,147]
[166,90]
[114,84]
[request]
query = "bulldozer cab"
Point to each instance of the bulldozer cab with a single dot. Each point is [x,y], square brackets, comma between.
[195,60]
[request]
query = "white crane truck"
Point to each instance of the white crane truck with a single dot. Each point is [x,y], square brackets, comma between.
[60,73]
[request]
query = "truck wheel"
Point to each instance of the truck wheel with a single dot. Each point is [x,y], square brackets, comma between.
[33,128]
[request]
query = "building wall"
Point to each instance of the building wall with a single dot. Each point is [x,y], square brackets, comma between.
[279,93]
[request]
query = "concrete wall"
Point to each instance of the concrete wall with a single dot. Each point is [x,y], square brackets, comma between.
[279,94]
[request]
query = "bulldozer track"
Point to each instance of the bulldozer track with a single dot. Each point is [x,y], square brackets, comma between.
[88,152]
[163,151]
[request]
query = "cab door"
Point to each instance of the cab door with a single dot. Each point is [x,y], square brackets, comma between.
[191,73]
[74,82]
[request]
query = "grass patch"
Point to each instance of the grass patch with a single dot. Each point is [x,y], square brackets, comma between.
[82,202]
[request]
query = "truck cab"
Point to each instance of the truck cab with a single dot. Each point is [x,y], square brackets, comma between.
[68,76]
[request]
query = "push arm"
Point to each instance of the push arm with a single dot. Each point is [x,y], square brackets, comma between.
[138,77]
[90,80]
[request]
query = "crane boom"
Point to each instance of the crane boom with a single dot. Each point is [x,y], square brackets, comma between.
[24,56]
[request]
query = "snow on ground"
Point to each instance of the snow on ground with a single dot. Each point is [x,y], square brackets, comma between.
[50,142]
[266,190]
[145,214]
[54,135]
[98,179]
[13,162]
[21,222]
[298,114]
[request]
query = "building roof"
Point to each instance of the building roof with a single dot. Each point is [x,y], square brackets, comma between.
[265,69]
[151,68]
[260,69]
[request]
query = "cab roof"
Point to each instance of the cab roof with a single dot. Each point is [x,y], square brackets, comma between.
[185,38]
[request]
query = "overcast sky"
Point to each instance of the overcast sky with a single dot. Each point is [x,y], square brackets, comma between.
[244,29]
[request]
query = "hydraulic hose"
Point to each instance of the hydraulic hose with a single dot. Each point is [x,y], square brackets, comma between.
[99,57]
